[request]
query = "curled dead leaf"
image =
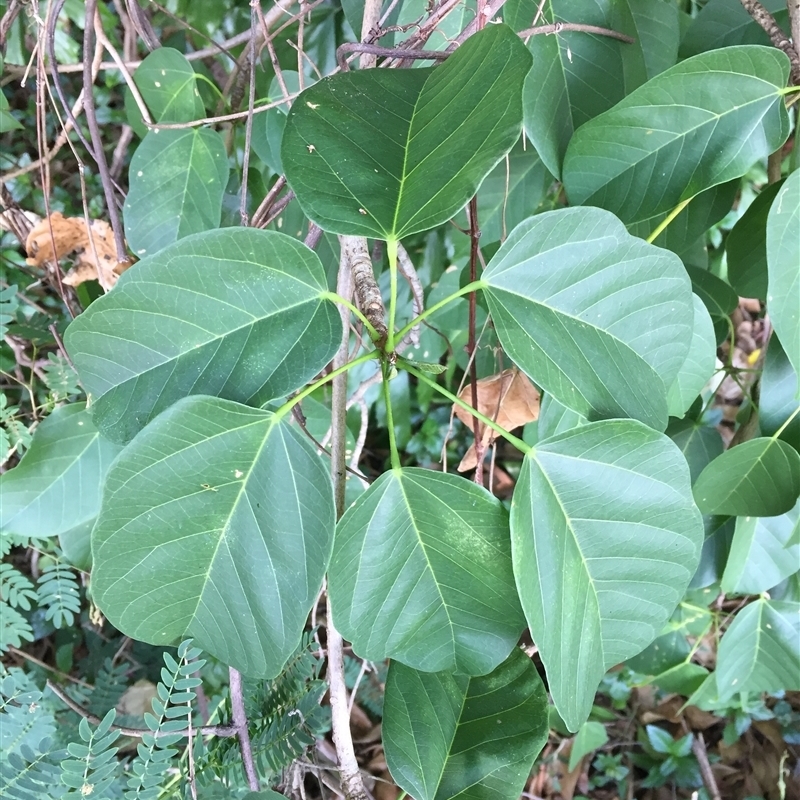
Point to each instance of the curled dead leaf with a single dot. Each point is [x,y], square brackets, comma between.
[93,249]
[509,398]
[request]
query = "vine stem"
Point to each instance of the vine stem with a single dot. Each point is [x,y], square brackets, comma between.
[337,298]
[391,252]
[387,397]
[474,252]
[240,723]
[499,429]
[349,773]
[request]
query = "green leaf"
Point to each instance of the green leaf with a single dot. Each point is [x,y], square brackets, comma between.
[723,23]
[605,538]
[236,313]
[452,736]
[264,794]
[703,122]
[57,484]
[783,295]
[746,247]
[681,235]
[658,30]
[576,75]
[699,366]
[599,319]
[590,736]
[421,572]
[780,395]
[363,150]
[555,417]
[8,122]
[268,127]
[717,296]
[699,443]
[758,652]
[714,556]
[177,181]
[761,555]
[168,85]
[216,525]
[758,478]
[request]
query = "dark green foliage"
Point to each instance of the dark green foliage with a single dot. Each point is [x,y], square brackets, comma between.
[92,768]
[59,594]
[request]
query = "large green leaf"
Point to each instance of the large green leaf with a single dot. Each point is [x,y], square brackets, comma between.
[783,267]
[177,180]
[449,736]
[421,572]
[168,85]
[599,319]
[780,396]
[605,538]
[236,313]
[746,247]
[758,652]
[555,417]
[723,23]
[761,555]
[217,524]
[758,478]
[576,75]
[703,122]
[57,484]
[699,365]
[387,153]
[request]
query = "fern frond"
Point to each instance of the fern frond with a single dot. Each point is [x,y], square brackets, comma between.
[32,774]
[15,588]
[59,593]
[172,706]
[24,721]
[90,771]
[14,628]
[60,378]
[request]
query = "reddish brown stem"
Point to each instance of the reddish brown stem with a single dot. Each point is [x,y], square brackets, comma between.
[474,254]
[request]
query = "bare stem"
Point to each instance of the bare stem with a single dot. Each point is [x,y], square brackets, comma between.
[775,32]
[562,27]
[240,724]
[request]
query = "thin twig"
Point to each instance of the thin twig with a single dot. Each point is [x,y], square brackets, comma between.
[384,52]
[477,428]
[92,21]
[563,27]
[248,128]
[240,724]
[223,731]
[405,267]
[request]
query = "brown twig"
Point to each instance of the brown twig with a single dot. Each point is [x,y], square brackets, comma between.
[367,292]
[240,725]
[776,35]
[563,27]
[266,204]
[384,52]
[248,128]
[477,428]
[223,731]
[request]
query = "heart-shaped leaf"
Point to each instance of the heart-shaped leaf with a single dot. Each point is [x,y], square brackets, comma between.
[57,484]
[783,267]
[761,555]
[758,652]
[421,573]
[605,538]
[177,180]
[454,736]
[577,75]
[598,318]
[387,153]
[758,478]
[168,85]
[702,122]
[217,525]
[237,313]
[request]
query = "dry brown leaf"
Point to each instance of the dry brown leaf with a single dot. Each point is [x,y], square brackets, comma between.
[138,698]
[508,398]
[95,255]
